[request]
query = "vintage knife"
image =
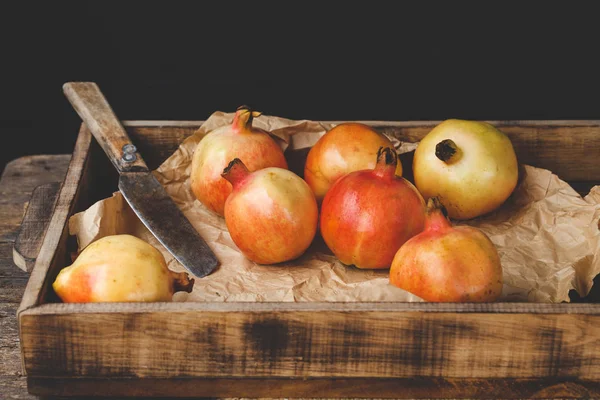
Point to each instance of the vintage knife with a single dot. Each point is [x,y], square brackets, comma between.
[143,192]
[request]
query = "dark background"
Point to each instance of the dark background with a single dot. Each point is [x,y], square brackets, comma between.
[185,60]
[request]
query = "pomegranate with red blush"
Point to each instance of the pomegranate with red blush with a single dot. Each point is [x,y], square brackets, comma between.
[255,147]
[446,263]
[368,214]
[271,213]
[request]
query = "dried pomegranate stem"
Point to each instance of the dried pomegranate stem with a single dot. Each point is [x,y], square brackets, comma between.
[391,158]
[447,151]
[182,282]
[434,204]
[437,216]
[242,121]
[387,159]
[235,172]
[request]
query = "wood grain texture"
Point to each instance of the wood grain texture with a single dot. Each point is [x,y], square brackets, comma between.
[9,340]
[34,225]
[561,146]
[11,290]
[95,111]
[258,343]
[415,388]
[54,244]
[159,142]
[19,179]
[15,387]
[7,268]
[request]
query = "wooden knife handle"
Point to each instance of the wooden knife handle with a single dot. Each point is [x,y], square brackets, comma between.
[91,105]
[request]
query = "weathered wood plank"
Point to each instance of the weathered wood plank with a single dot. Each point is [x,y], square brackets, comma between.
[339,307]
[7,268]
[12,294]
[12,279]
[54,244]
[562,149]
[14,387]
[9,340]
[414,388]
[93,108]
[561,146]
[158,143]
[33,228]
[322,343]
[19,179]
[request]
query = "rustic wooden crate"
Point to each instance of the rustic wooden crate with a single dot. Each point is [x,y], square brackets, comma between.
[399,350]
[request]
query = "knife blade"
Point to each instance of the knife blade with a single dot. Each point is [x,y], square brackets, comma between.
[155,208]
[142,191]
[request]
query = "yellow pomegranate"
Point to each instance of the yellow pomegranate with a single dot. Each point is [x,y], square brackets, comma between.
[119,268]
[470,166]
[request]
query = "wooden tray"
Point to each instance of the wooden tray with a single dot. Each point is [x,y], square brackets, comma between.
[399,350]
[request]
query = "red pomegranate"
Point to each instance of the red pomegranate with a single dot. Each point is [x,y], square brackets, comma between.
[368,214]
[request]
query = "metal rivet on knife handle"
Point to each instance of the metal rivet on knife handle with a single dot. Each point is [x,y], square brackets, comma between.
[129,153]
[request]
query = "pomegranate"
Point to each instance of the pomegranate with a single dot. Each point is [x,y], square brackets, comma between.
[119,268]
[470,166]
[255,147]
[271,213]
[445,263]
[367,215]
[346,148]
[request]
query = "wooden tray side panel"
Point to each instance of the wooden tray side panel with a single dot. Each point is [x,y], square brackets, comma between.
[157,143]
[560,146]
[54,247]
[314,344]
[398,388]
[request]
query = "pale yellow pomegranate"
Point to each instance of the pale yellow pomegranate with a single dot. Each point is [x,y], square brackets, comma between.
[470,165]
[119,268]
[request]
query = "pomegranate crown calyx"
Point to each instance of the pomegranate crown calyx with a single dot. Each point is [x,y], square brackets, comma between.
[447,150]
[387,156]
[182,282]
[235,171]
[244,116]
[232,163]
[434,204]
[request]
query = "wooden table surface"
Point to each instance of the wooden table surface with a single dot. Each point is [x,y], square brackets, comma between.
[19,179]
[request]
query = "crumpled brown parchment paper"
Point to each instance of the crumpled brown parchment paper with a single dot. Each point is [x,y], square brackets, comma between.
[547,236]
